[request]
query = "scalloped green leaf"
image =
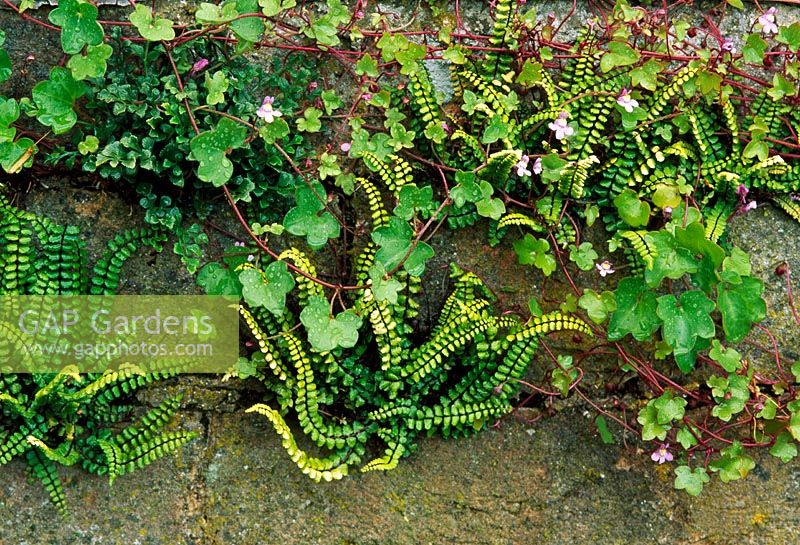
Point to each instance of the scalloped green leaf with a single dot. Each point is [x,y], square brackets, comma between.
[79,26]
[396,245]
[210,149]
[309,218]
[325,333]
[153,29]
[54,98]
[267,288]
[91,65]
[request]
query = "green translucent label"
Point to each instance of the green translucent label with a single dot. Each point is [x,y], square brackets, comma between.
[94,333]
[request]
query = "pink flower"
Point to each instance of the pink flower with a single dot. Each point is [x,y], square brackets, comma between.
[605,268]
[345,147]
[662,454]
[742,191]
[767,22]
[522,166]
[624,99]
[560,126]
[199,65]
[366,96]
[267,112]
[727,45]
[537,166]
[745,206]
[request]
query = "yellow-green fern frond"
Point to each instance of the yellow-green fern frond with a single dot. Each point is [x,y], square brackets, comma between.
[642,245]
[318,469]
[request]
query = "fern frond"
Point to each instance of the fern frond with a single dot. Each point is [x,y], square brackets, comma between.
[662,98]
[306,288]
[148,425]
[472,153]
[64,454]
[548,323]
[105,276]
[112,381]
[504,36]
[17,252]
[45,470]
[154,448]
[574,176]
[447,341]
[384,328]
[498,168]
[498,229]
[423,99]
[270,352]
[716,220]
[394,175]
[789,205]
[395,448]
[13,445]
[63,258]
[642,244]
[378,212]
[318,469]
[456,415]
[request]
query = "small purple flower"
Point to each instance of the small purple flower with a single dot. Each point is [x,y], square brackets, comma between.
[605,268]
[742,191]
[537,166]
[267,112]
[560,126]
[251,257]
[662,454]
[366,96]
[767,22]
[624,99]
[198,65]
[745,206]
[522,166]
[727,45]
[345,147]
[239,244]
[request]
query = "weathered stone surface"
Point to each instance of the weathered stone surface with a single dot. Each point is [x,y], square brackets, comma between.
[551,482]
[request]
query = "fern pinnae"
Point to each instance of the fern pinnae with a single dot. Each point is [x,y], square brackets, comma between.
[789,205]
[156,447]
[661,100]
[270,353]
[395,448]
[642,245]
[45,470]
[306,287]
[148,425]
[504,36]
[328,469]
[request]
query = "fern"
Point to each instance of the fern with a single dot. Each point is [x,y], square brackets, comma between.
[392,388]
[62,418]
[504,36]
